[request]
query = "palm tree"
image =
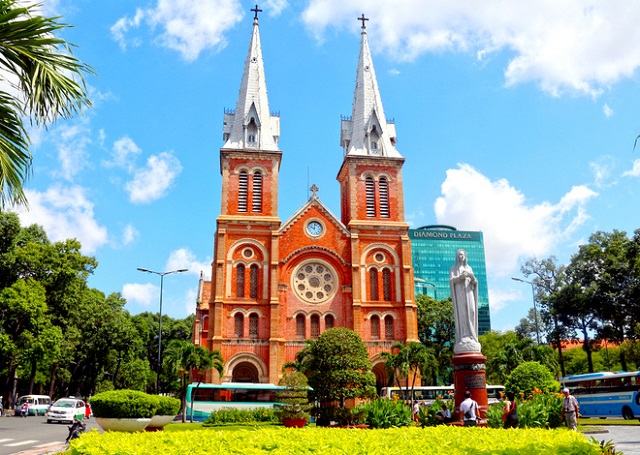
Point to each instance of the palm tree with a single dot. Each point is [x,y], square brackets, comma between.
[409,360]
[39,79]
[182,357]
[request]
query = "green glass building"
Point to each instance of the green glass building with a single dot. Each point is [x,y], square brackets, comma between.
[434,252]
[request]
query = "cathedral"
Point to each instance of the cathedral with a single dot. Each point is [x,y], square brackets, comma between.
[276,284]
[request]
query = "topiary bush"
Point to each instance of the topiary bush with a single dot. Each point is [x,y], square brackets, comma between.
[230,415]
[294,402]
[124,404]
[167,406]
[384,413]
[529,376]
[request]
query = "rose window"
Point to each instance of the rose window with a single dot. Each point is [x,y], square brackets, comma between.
[314,282]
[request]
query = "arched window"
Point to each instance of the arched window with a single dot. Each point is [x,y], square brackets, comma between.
[205,324]
[256,194]
[329,322]
[300,326]
[240,280]
[388,328]
[375,327]
[386,285]
[243,180]
[238,325]
[315,326]
[253,281]
[373,284]
[370,197]
[383,186]
[253,325]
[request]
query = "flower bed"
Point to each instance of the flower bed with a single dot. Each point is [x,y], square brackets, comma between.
[283,441]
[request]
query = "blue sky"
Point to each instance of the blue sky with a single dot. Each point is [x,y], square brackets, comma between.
[516,119]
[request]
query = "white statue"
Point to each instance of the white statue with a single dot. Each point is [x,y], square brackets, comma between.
[464,292]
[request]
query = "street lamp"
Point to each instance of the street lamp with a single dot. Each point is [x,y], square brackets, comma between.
[535,309]
[423,283]
[162,274]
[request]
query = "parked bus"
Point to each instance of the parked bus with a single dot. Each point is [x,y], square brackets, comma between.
[606,394]
[206,398]
[429,394]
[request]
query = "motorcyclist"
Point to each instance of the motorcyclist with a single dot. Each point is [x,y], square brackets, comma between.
[75,429]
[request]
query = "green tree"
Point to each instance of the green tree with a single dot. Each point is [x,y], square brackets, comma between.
[338,367]
[406,361]
[436,330]
[531,375]
[49,80]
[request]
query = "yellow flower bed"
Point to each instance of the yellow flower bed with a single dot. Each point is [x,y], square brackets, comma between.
[285,441]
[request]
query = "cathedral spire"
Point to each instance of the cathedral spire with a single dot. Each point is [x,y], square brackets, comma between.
[251,125]
[367,132]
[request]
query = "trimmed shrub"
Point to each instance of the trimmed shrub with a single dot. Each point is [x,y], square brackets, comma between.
[276,440]
[167,406]
[231,415]
[529,376]
[294,400]
[124,404]
[384,413]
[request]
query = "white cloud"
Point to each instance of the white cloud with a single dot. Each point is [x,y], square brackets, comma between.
[182,258]
[188,27]
[124,153]
[145,294]
[152,181]
[190,301]
[602,170]
[512,228]
[71,141]
[634,171]
[607,111]
[65,212]
[275,7]
[129,234]
[499,299]
[572,45]
[394,71]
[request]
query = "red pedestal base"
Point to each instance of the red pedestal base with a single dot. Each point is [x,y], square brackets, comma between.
[469,374]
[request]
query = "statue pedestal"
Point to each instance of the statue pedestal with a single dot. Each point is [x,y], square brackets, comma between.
[469,374]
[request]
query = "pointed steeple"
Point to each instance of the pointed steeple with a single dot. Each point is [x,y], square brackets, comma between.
[251,126]
[367,132]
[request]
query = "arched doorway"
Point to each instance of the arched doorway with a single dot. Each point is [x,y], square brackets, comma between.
[382,379]
[245,372]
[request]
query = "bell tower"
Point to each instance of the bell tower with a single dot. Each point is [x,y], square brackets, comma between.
[372,203]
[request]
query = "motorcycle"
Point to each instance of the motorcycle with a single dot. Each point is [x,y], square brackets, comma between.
[75,429]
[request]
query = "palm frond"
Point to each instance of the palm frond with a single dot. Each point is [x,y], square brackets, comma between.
[15,158]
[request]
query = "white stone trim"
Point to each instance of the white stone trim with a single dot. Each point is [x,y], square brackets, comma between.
[230,264]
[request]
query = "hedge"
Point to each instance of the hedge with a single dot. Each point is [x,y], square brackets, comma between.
[167,406]
[442,440]
[124,404]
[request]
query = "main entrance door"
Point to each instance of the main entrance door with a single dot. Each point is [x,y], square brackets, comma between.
[245,372]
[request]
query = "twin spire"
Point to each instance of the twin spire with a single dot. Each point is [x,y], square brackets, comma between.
[251,125]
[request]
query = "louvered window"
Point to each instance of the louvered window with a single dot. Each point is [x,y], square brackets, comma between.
[239,325]
[386,285]
[253,281]
[383,185]
[256,201]
[315,326]
[373,284]
[253,325]
[370,187]
[329,322]
[388,328]
[240,280]
[375,327]
[242,191]
[300,326]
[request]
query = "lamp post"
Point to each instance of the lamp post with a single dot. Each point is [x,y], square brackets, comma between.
[423,283]
[162,274]
[535,309]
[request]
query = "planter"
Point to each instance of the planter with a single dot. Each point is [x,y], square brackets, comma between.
[158,422]
[294,423]
[126,425]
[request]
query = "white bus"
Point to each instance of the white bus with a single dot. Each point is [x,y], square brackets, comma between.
[429,394]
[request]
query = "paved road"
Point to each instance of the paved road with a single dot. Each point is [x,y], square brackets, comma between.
[626,438]
[19,434]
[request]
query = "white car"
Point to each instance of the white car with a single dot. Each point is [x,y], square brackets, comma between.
[66,410]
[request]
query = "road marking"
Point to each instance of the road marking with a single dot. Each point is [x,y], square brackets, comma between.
[6,440]
[21,443]
[49,444]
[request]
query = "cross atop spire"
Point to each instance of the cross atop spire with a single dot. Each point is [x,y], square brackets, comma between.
[363,19]
[257,10]
[314,191]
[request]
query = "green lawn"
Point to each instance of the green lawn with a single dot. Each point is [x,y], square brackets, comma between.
[601,422]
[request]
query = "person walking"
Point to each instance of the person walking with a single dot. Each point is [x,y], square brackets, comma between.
[570,410]
[24,409]
[510,411]
[470,411]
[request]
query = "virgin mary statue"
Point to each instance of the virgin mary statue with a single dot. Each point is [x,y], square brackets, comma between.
[464,292]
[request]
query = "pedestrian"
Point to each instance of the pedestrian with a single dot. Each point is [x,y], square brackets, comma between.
[510,411]
[24,409]
[443,415]
[470,411]
[570,410]
[415,412]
